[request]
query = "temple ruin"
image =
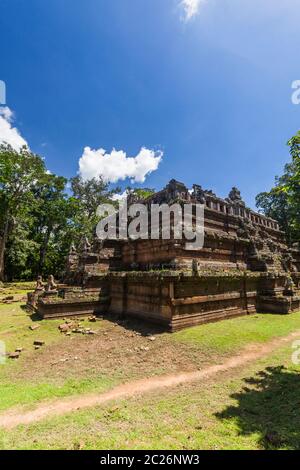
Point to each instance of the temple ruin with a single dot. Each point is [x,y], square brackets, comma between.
[244,267]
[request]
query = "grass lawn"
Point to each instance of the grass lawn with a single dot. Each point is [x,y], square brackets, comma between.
[232,335]
[251,408]
[258,408]
[15,331]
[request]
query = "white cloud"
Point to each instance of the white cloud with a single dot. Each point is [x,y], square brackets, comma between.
[191,8]
[116,166]
[120,197]
[8,133]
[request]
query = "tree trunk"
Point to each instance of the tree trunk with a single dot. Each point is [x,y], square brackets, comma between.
[3,241]
[43,252]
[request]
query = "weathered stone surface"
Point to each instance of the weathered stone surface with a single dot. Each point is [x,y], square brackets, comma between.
[64,328]
[244,266]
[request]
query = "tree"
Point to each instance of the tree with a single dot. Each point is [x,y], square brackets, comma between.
[141,193]
[19,173]
[39,218]
[88,195]
[292,186]
[283,201]
[51,214]
[20,254]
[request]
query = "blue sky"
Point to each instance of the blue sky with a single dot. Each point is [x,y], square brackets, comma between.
[204,88]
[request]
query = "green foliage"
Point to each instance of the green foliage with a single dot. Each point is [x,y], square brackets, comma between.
[21,253]
[283,201]
[39,218]
[91,193]
[52,221]
[87,197]
[141,193]
[19,175]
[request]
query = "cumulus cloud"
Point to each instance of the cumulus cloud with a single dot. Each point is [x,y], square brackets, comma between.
[116,165]
[120,197]
[191,8]
[8,133]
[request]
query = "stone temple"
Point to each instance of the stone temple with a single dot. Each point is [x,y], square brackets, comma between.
[244,267]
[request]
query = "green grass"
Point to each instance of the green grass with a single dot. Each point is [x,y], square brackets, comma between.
[257,409]
[14,328]
[13,394]
[16,288]
[232,335]
[19,286]
[15,332]
[215,339]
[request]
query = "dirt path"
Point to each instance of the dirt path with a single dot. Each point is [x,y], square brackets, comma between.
[15,417]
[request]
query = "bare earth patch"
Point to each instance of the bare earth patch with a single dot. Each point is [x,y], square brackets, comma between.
[122,350]
[16,417]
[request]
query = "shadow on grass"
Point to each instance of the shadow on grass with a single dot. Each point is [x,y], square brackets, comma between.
[269,405]
[144,328]
[34,316]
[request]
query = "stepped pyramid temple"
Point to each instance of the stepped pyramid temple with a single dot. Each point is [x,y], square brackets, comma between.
[245,266]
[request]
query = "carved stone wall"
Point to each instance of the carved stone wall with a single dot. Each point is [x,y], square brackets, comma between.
[244,267]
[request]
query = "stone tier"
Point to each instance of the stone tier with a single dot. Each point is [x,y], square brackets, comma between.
[176,300]
[245,266]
